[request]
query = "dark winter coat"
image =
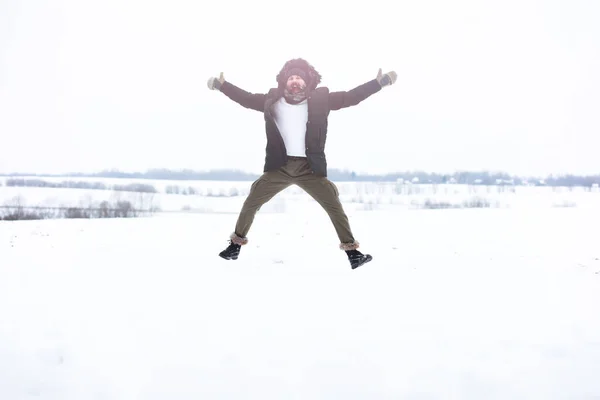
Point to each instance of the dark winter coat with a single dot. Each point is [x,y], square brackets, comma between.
[320,102]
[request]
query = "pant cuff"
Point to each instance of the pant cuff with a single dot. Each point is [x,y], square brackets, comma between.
[350,245]
[238,239]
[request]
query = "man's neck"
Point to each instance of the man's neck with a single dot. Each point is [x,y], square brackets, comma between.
[294,98]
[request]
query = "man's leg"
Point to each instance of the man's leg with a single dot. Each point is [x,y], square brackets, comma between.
[326,194]
[261,191]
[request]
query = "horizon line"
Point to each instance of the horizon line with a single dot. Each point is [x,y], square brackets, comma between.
[333,169]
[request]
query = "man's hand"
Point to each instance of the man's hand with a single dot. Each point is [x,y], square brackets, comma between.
[215,83]
[389,78]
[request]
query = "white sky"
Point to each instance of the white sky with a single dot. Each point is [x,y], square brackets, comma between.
[511,85]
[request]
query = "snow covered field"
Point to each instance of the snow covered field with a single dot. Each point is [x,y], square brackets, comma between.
[488,303]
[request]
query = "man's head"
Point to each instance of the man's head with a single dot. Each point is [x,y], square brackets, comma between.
[296,80]
[295,72]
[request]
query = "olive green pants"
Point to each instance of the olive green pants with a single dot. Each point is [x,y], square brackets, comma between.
[298,172]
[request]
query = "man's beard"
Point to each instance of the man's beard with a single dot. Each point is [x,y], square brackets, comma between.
[295,96]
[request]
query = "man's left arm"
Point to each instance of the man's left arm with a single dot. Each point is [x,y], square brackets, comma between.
[343,99]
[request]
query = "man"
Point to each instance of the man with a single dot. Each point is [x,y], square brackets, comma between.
[295,114]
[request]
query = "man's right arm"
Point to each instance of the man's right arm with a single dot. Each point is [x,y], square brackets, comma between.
[253,101]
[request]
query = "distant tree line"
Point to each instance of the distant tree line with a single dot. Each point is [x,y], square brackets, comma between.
[132,187]
[461,177]
[158,174]
[469,178]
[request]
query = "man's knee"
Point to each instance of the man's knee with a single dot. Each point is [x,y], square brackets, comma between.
[253,204]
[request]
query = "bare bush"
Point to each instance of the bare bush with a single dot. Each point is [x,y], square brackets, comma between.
[122,209]
[172,189]
[186,191]
[434,205]
[476,202]
[104,210]
[135,187]
[125,209]
[564,204]
[21,215]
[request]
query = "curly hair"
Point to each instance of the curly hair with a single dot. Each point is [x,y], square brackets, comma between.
[314,76]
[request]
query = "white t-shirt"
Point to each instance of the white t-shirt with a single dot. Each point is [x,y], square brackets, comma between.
[291,121]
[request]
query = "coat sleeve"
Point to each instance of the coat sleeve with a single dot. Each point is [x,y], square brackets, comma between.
[343,99]
[254,101]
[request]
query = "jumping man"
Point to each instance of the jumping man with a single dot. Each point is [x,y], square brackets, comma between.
[296,114]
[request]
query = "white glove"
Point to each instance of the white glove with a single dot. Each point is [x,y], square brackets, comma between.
[215,83]
[389,78]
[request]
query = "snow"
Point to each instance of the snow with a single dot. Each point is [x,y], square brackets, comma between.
[491,303]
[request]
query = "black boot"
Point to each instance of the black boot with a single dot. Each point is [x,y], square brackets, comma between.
[231,252]
[357,258]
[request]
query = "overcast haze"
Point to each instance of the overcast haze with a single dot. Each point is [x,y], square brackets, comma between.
[511,86]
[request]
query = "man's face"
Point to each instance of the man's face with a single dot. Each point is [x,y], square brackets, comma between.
[295,84]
